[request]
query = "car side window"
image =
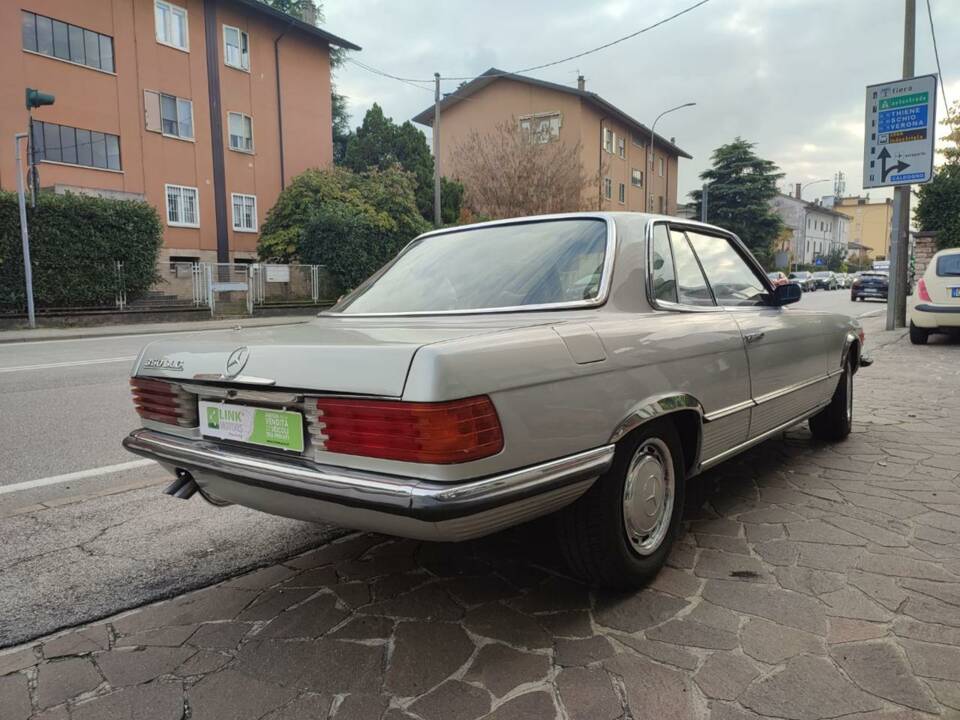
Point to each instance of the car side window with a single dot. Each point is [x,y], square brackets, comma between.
[732,280]
[664,278]
[692,287]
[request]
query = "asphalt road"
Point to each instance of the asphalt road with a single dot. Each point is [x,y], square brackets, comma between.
[84,529]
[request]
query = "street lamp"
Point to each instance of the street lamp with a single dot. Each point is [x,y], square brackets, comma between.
[646,206]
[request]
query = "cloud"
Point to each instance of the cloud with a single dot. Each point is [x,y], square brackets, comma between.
[789,75]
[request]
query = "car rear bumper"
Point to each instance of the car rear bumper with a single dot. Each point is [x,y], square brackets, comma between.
[928,315]
[405,506]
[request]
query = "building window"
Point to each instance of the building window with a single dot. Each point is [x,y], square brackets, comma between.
[621,147]
[622,195]
[182,206]
[660,166]
[607,140]
[171,23]
[168,114]
[636,177]
[66,42]
[542,127]
[236,48]
[244,212]
[75,146]
[607,188]
[240,127]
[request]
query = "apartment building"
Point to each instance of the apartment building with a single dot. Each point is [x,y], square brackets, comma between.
[204,108]
[814,231]
[870,223]
[613,145]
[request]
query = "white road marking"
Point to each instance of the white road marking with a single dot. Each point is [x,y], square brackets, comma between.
[72,363]
[79,475]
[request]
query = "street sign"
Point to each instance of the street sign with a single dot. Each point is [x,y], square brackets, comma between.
[899,132]
[818,262]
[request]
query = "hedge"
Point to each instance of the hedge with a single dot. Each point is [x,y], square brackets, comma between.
[75,241]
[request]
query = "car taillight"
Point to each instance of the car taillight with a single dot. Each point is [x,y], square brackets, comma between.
[440,433]
[164,402]
[922,291]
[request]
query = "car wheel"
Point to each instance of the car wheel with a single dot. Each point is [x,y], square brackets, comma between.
[835,421]
[619,533]
[918,336]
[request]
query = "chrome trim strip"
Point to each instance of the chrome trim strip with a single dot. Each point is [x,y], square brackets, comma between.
[729,410]
[229,393]
[243,379]
[606,280]
[796,386]
[407,496]
[653,408]
[726,454]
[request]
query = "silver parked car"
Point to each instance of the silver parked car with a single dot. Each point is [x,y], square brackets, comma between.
[588,364]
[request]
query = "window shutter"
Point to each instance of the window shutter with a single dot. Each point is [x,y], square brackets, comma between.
[151,110]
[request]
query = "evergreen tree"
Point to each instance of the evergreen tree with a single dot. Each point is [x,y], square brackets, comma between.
[742,185]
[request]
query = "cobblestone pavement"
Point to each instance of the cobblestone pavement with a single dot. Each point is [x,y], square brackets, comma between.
[815,582]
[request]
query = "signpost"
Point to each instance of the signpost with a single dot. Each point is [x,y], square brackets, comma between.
[901,119]
[898,151]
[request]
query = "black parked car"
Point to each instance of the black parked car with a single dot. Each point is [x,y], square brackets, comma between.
[826,280]
[870,284]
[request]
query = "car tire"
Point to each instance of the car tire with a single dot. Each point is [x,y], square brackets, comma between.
[835,421]
[609,537]
[918,336]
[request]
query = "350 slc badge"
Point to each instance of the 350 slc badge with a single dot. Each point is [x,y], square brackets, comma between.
[163,364]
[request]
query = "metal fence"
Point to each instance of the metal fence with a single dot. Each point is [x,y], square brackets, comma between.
[224,288]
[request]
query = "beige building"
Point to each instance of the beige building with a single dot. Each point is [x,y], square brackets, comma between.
[205,108]
[609,139]
[870,224]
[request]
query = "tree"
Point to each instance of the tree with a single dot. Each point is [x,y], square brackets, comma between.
[507,173]
[352,223]
[380,143]
[741,188]
[836,260]
[938,206]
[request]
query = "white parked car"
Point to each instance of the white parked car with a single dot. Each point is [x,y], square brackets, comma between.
[935,306]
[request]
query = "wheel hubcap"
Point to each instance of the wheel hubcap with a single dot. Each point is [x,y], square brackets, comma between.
[648,494]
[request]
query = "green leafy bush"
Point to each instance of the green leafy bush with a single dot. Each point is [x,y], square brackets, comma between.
[350,222]
[75,241]
[939,206]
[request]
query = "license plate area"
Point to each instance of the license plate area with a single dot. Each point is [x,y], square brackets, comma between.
[251,425]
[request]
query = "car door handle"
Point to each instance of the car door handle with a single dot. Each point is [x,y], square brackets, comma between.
[754,336]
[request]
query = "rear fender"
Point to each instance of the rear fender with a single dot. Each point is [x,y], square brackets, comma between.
[661,406]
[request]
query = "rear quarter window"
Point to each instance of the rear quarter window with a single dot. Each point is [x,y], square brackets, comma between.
[948,265]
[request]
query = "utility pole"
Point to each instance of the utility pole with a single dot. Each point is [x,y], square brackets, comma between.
[24,234]
[704,201]
[900,232]
[437,221]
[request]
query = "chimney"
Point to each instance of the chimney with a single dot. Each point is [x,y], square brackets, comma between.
[798,186]
[581,82]
[310,13]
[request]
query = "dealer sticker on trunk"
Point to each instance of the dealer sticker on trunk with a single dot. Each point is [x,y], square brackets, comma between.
[259,426]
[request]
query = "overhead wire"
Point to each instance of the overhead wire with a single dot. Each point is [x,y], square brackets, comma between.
[936,54]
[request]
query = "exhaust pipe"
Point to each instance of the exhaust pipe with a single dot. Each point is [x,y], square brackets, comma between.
[183,487]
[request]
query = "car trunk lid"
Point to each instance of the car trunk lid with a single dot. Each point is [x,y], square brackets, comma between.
[331,354]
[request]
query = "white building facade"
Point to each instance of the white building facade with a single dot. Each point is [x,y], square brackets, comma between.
[817,230]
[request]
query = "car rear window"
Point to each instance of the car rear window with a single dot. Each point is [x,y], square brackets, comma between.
[948,265]
[490,267]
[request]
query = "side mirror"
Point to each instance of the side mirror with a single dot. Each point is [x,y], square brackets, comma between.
[786,294]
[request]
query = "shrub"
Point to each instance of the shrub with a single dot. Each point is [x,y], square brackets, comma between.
[75,241]
[350,222]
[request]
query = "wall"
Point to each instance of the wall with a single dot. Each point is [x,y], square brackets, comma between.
[869,224]
[924,248]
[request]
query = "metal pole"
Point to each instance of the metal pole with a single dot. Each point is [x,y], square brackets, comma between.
[704,201]
[437,220]
[24,234]
[900,235]
[653,127]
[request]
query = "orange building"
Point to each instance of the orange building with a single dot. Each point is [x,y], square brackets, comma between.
[205,108]
[613,145]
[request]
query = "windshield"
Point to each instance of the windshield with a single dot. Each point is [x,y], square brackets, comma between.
[948,265]
[490,267]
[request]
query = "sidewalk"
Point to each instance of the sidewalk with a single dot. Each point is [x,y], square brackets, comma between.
[73,333]
[818,581]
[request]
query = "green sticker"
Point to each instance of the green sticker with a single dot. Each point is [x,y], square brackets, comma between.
[277,429]
[213,417]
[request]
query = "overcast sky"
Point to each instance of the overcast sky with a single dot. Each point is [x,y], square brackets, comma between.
[789,75]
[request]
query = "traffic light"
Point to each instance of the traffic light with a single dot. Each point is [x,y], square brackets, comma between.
[35,98]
